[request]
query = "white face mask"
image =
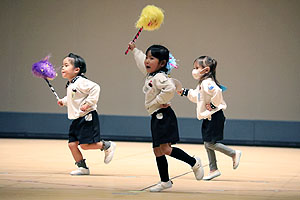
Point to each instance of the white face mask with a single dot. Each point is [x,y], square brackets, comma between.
[197,73]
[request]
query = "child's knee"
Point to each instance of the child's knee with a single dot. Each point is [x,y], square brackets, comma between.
[84,146]
[209,145]
[166,150]
[73,145]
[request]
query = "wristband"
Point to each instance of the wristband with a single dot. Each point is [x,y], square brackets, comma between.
[212,106]
[185,92]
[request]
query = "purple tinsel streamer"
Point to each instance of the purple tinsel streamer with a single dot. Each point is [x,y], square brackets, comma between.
[44,69]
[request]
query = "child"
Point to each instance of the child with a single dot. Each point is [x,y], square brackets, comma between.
[81,100]
[159,89]
[210,105]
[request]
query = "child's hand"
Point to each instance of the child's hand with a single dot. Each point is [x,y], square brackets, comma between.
[179,92]
[208,107]
[60,103]
[164,105]
[131,45]
[85,107]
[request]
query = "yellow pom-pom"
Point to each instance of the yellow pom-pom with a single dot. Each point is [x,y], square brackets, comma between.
[151,18]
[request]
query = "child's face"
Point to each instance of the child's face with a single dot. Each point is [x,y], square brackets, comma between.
[199,70]
[152,64]
[68,70]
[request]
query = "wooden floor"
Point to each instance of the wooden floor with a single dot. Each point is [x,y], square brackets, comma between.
[39,169]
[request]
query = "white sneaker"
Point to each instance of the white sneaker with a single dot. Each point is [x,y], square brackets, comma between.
[80,171]
[161,186]
[212,175]
[236,160]
[109,153]
[198,169]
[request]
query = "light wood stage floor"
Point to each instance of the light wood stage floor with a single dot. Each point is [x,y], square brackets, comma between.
[32,169]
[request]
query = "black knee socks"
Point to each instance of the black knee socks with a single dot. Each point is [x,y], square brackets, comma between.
[162,165]
[181,155]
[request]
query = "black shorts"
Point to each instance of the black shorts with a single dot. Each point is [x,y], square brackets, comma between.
[164,127]
[213,130]
[85,129]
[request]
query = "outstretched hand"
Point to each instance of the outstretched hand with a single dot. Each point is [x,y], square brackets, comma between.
[179,92]
[60,103]
[131,45]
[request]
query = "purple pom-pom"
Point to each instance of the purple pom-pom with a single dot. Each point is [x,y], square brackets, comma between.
[44,69]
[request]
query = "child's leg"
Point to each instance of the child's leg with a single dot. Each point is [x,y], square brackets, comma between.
[108,147]
[162,165]
[211,157]
[73,146]
[79,161]
[177,153]
[220,147]
[102,145]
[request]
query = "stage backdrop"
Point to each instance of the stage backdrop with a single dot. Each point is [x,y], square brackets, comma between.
[256,44]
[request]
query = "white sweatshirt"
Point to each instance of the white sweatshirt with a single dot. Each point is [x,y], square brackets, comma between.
[206,93]
[159,89]
[81,91]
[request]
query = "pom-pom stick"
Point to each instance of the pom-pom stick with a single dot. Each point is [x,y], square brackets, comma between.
[151,18]
[44,69]
[52,89]
[134,39]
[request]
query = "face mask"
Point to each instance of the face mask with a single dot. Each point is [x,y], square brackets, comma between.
[197,73]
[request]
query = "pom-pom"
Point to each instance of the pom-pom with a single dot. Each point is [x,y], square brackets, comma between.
[44,69]
[151,18]
[171,63]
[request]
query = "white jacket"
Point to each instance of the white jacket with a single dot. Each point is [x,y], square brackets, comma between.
[81,91]
[206,93]
[159,89]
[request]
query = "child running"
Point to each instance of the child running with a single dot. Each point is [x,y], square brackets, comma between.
[159,89]
[81,100]
[210,105]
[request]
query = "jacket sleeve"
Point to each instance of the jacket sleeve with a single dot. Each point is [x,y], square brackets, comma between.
[140,57]
[193,95]
[92,90]
[211,88]
[166,87]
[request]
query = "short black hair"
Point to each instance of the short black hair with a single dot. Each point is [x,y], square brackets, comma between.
[161,53]
[78,62]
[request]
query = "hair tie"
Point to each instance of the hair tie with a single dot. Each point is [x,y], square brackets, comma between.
[171,63]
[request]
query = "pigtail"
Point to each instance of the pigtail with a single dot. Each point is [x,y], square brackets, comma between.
[207,61]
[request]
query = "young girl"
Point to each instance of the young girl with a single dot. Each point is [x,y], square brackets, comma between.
[159,89]
[81,100]
[210,105]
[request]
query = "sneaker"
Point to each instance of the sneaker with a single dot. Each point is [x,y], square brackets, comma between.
[109,153]
[161,186]
[198,169]
[236,160]
[81,171]
[212,175]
